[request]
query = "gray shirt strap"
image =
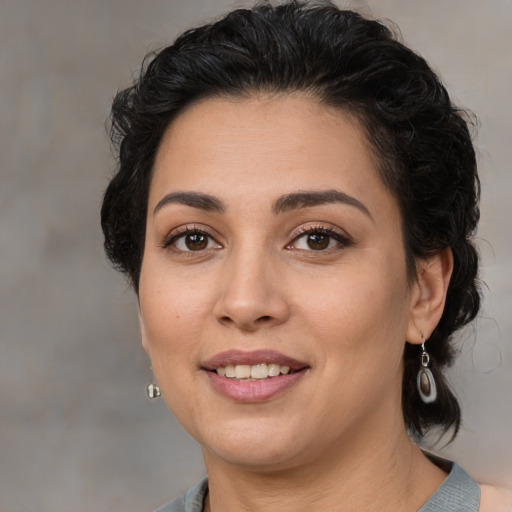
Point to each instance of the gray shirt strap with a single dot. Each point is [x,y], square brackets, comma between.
[192,501]
[458,493]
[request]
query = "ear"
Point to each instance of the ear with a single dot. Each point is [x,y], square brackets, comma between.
[143,336]
[429,295]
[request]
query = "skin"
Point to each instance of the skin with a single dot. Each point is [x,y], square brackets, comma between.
[336,438]
[495,499]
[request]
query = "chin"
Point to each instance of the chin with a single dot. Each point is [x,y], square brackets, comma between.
[259,445]
[255,459]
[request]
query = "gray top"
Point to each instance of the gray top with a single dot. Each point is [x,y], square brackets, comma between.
[458,493]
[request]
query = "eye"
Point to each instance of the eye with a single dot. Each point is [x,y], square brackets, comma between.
[319,239]
[190,240]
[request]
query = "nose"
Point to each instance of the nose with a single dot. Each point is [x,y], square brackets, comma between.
[251,295]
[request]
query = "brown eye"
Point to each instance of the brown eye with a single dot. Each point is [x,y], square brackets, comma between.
[196,241]
[191,241]
[318,241]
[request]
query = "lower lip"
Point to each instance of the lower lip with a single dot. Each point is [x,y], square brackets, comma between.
[250,391]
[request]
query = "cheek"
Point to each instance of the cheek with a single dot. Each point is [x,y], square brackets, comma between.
[364,316]
[167,323]
[169,304]
[171,331]
[363,347]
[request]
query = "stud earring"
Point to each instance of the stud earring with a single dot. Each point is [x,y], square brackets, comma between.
[425,380]
[153,390]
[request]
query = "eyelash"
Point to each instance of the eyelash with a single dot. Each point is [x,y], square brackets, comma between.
[330,232]
[171,239]
[181,233]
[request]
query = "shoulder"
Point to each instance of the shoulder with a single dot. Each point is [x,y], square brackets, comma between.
[191,502]
[458,493]
[177,505]
[495,499]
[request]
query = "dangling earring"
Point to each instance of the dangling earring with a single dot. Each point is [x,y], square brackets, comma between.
[153,390]
[425,380]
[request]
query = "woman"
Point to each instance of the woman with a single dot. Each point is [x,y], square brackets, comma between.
[294,207]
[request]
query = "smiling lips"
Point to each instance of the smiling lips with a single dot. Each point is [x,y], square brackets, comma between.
[253,372]
[253,376]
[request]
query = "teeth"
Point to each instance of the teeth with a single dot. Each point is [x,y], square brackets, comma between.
[242,371]
[259,371]
[274,370]
[254,372]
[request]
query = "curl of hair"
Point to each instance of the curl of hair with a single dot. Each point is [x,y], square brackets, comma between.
[348,62]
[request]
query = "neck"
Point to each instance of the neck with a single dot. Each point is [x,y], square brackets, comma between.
[369,470]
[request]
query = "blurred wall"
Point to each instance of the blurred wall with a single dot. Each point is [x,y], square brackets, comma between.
[76,430]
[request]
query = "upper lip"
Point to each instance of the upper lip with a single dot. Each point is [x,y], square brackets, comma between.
[235,357]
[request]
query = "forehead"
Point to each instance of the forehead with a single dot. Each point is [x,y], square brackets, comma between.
[265,146]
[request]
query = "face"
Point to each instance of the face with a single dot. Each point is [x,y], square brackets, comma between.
[274,297]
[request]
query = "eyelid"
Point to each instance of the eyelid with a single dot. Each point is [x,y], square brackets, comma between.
[181,231]
[341,236]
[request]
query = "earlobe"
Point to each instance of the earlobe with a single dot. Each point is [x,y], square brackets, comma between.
[143,336]
[429,295]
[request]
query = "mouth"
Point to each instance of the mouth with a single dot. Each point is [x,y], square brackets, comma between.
[257,364]
[253,376]
[253,372]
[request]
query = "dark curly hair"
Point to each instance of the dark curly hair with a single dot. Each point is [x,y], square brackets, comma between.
[348,62]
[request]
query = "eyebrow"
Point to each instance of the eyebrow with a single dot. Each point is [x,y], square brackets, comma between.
[304,199]
[194,199]
[288,202]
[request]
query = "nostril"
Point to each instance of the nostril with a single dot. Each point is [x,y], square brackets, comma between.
[265,318]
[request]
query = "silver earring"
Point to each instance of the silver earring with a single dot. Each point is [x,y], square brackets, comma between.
[153,390]
[425,380]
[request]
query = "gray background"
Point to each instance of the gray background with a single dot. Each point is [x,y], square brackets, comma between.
[76,430]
